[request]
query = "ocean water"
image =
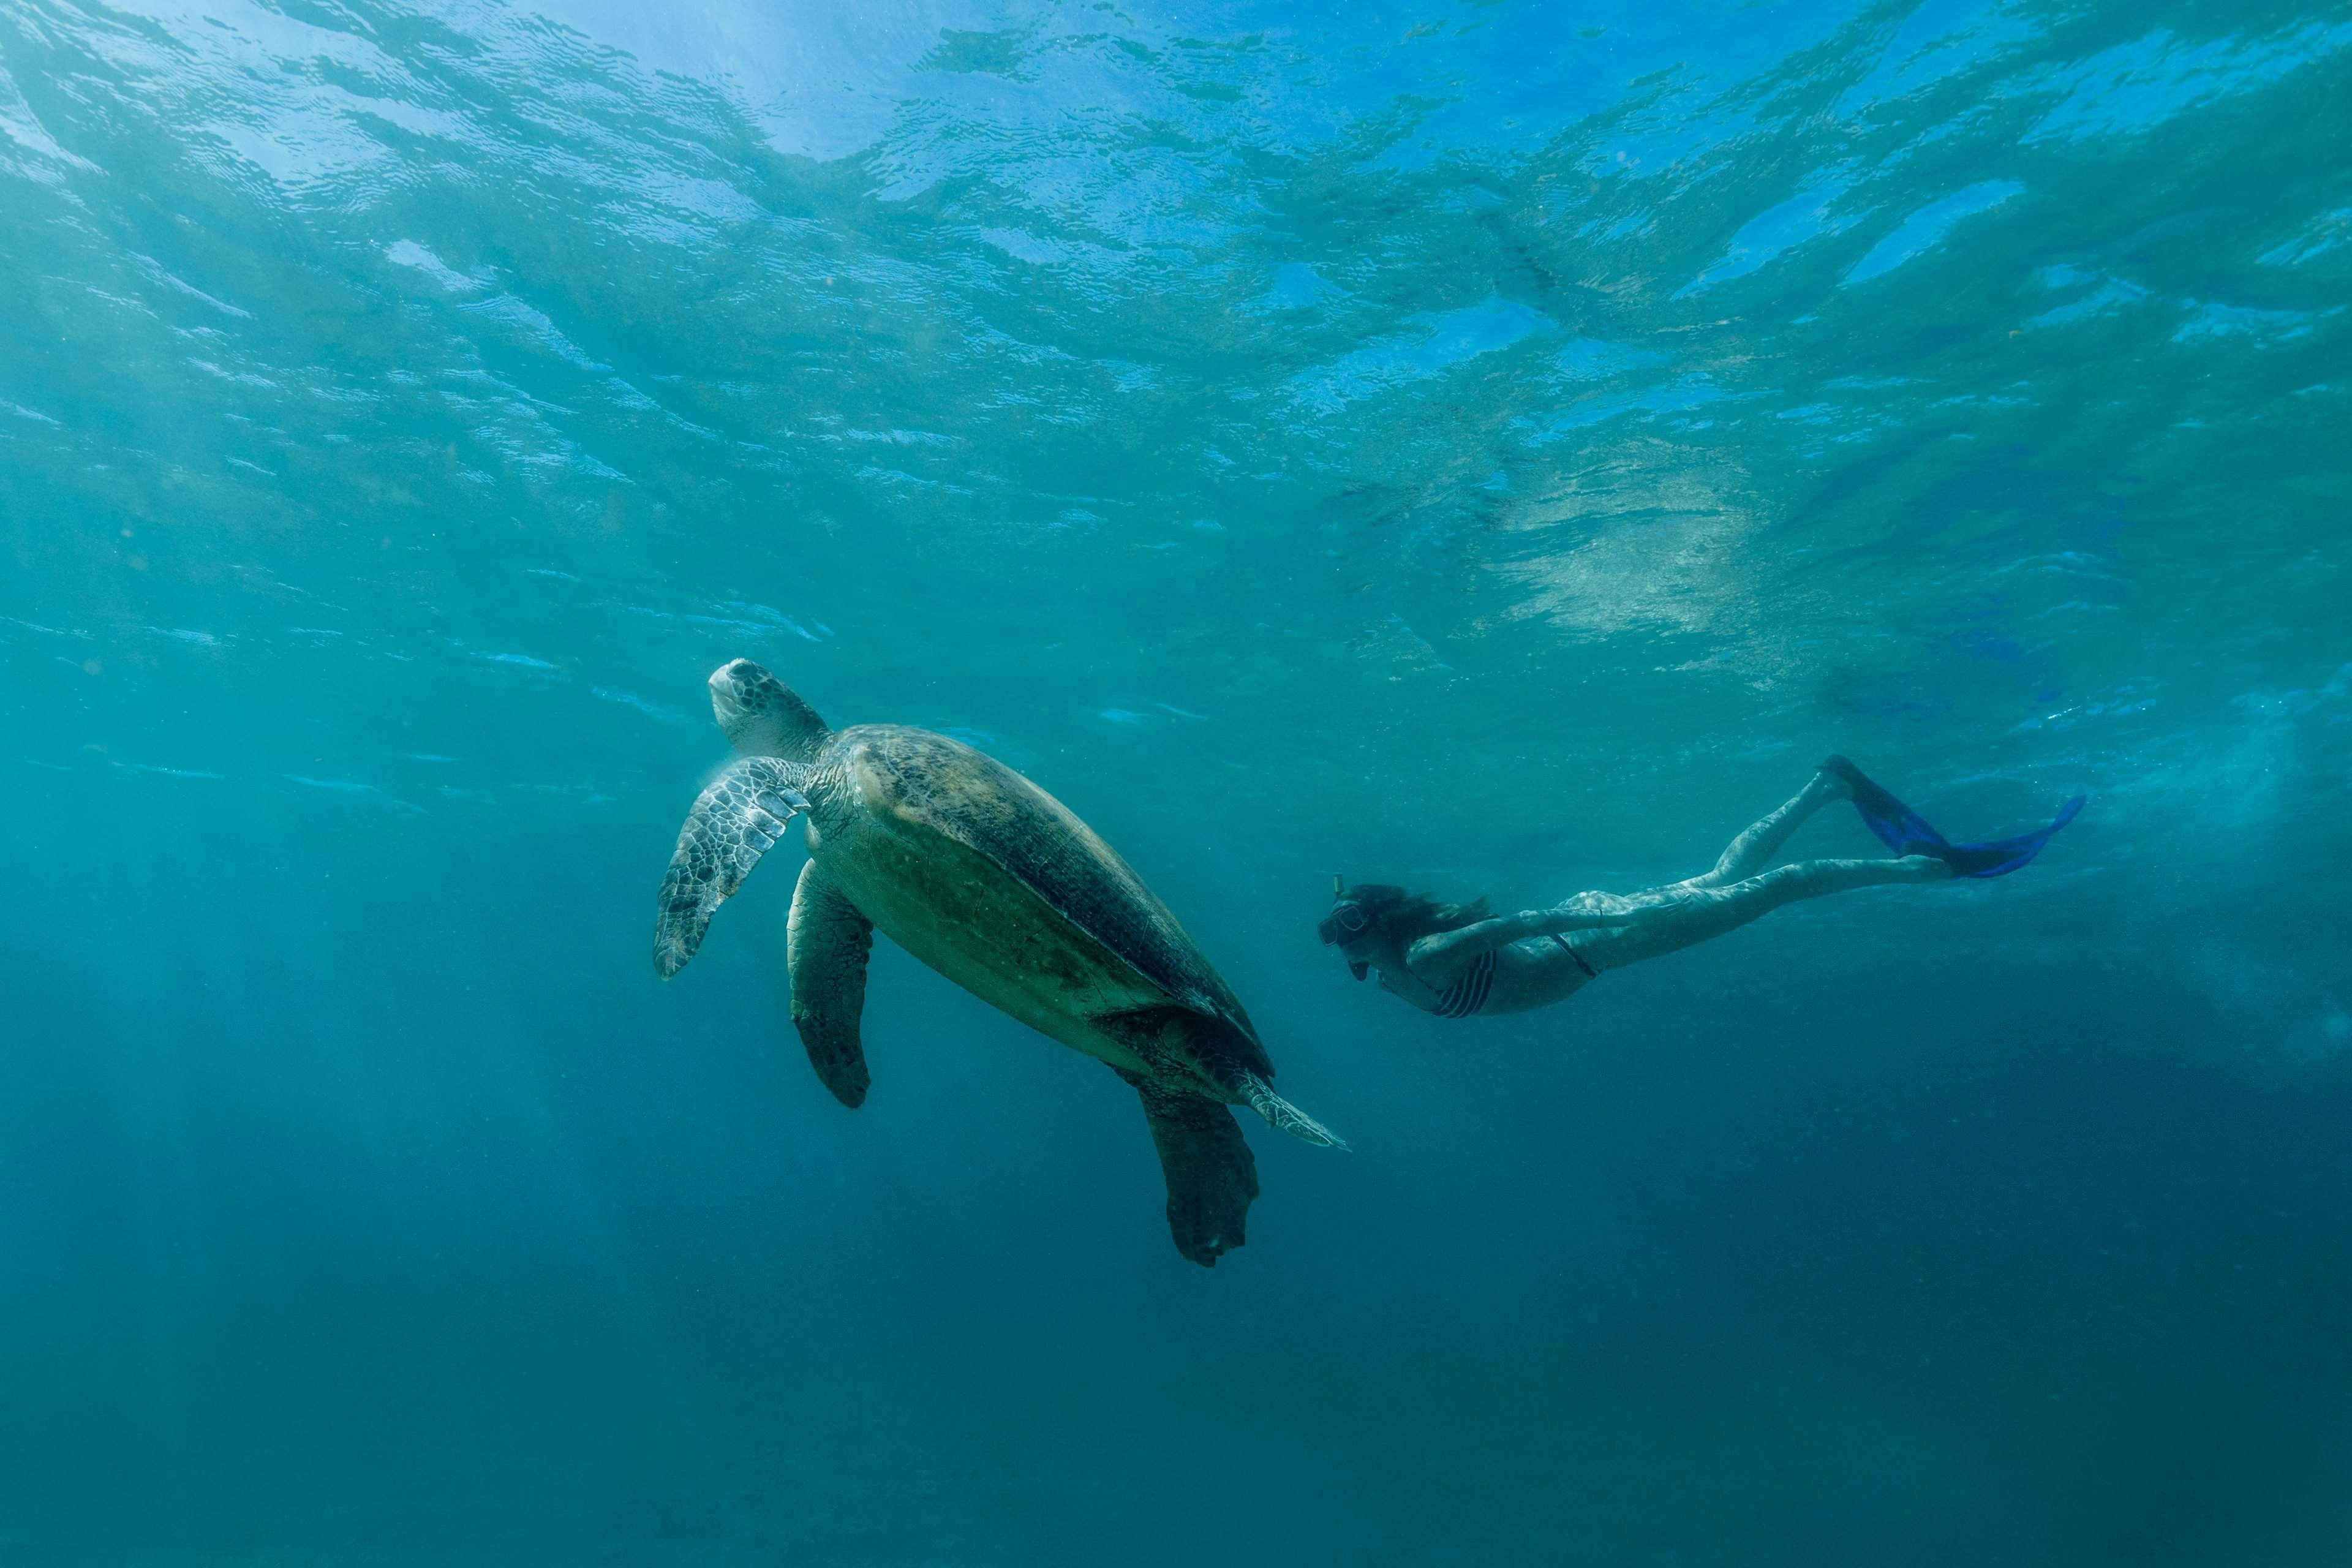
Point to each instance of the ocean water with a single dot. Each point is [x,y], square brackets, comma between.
[1495,448]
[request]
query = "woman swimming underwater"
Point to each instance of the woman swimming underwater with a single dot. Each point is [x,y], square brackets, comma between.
[1456,961]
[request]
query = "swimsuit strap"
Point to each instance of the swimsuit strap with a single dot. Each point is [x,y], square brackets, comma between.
[1590,972]
[1468,993]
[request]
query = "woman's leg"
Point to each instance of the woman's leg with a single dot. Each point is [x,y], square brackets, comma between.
[1679,917]
[1753,850]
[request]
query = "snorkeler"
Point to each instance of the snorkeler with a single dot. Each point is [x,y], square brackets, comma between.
[1456,959]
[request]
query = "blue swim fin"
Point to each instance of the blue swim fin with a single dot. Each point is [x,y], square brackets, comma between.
[1905,832]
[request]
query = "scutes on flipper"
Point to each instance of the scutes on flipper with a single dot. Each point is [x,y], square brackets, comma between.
[1283,1116]
[734,822]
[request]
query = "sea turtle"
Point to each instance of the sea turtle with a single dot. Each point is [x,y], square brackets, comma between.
[999,887]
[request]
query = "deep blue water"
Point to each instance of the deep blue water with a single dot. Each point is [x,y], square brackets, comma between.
[1477,445]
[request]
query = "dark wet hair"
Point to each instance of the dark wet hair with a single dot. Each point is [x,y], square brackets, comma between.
[1407,917]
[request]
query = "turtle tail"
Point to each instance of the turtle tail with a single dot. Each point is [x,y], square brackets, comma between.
[1177,1044]
[1283,1116]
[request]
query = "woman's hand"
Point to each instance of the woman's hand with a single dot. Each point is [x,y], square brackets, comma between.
[1586,911]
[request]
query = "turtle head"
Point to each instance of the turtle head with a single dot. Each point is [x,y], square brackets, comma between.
[761,715]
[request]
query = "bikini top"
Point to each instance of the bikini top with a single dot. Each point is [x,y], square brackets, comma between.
[1474,985]
[1469,990]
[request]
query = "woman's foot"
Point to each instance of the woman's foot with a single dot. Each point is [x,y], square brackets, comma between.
[1927,869]
[1834,779]
[1908,834]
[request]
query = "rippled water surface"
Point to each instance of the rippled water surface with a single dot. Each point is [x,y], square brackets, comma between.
[1488,446]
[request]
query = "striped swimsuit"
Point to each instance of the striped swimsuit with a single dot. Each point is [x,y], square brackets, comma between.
[1475,984]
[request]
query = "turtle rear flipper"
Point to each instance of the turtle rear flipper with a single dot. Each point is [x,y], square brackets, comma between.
[1211,1176]
[826,946]
[734,822]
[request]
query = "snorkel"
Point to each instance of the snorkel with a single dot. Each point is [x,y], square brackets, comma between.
[1348,919]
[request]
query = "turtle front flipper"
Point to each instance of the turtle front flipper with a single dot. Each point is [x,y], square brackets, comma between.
[826,946]
[734,822]
[1211,1176]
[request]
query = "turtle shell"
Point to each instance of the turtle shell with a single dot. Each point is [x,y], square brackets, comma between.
[969,796]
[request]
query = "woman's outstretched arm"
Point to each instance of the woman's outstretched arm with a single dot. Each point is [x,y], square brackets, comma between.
[1438,958]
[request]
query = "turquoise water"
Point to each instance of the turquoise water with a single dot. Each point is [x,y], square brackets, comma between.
[1460,445]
